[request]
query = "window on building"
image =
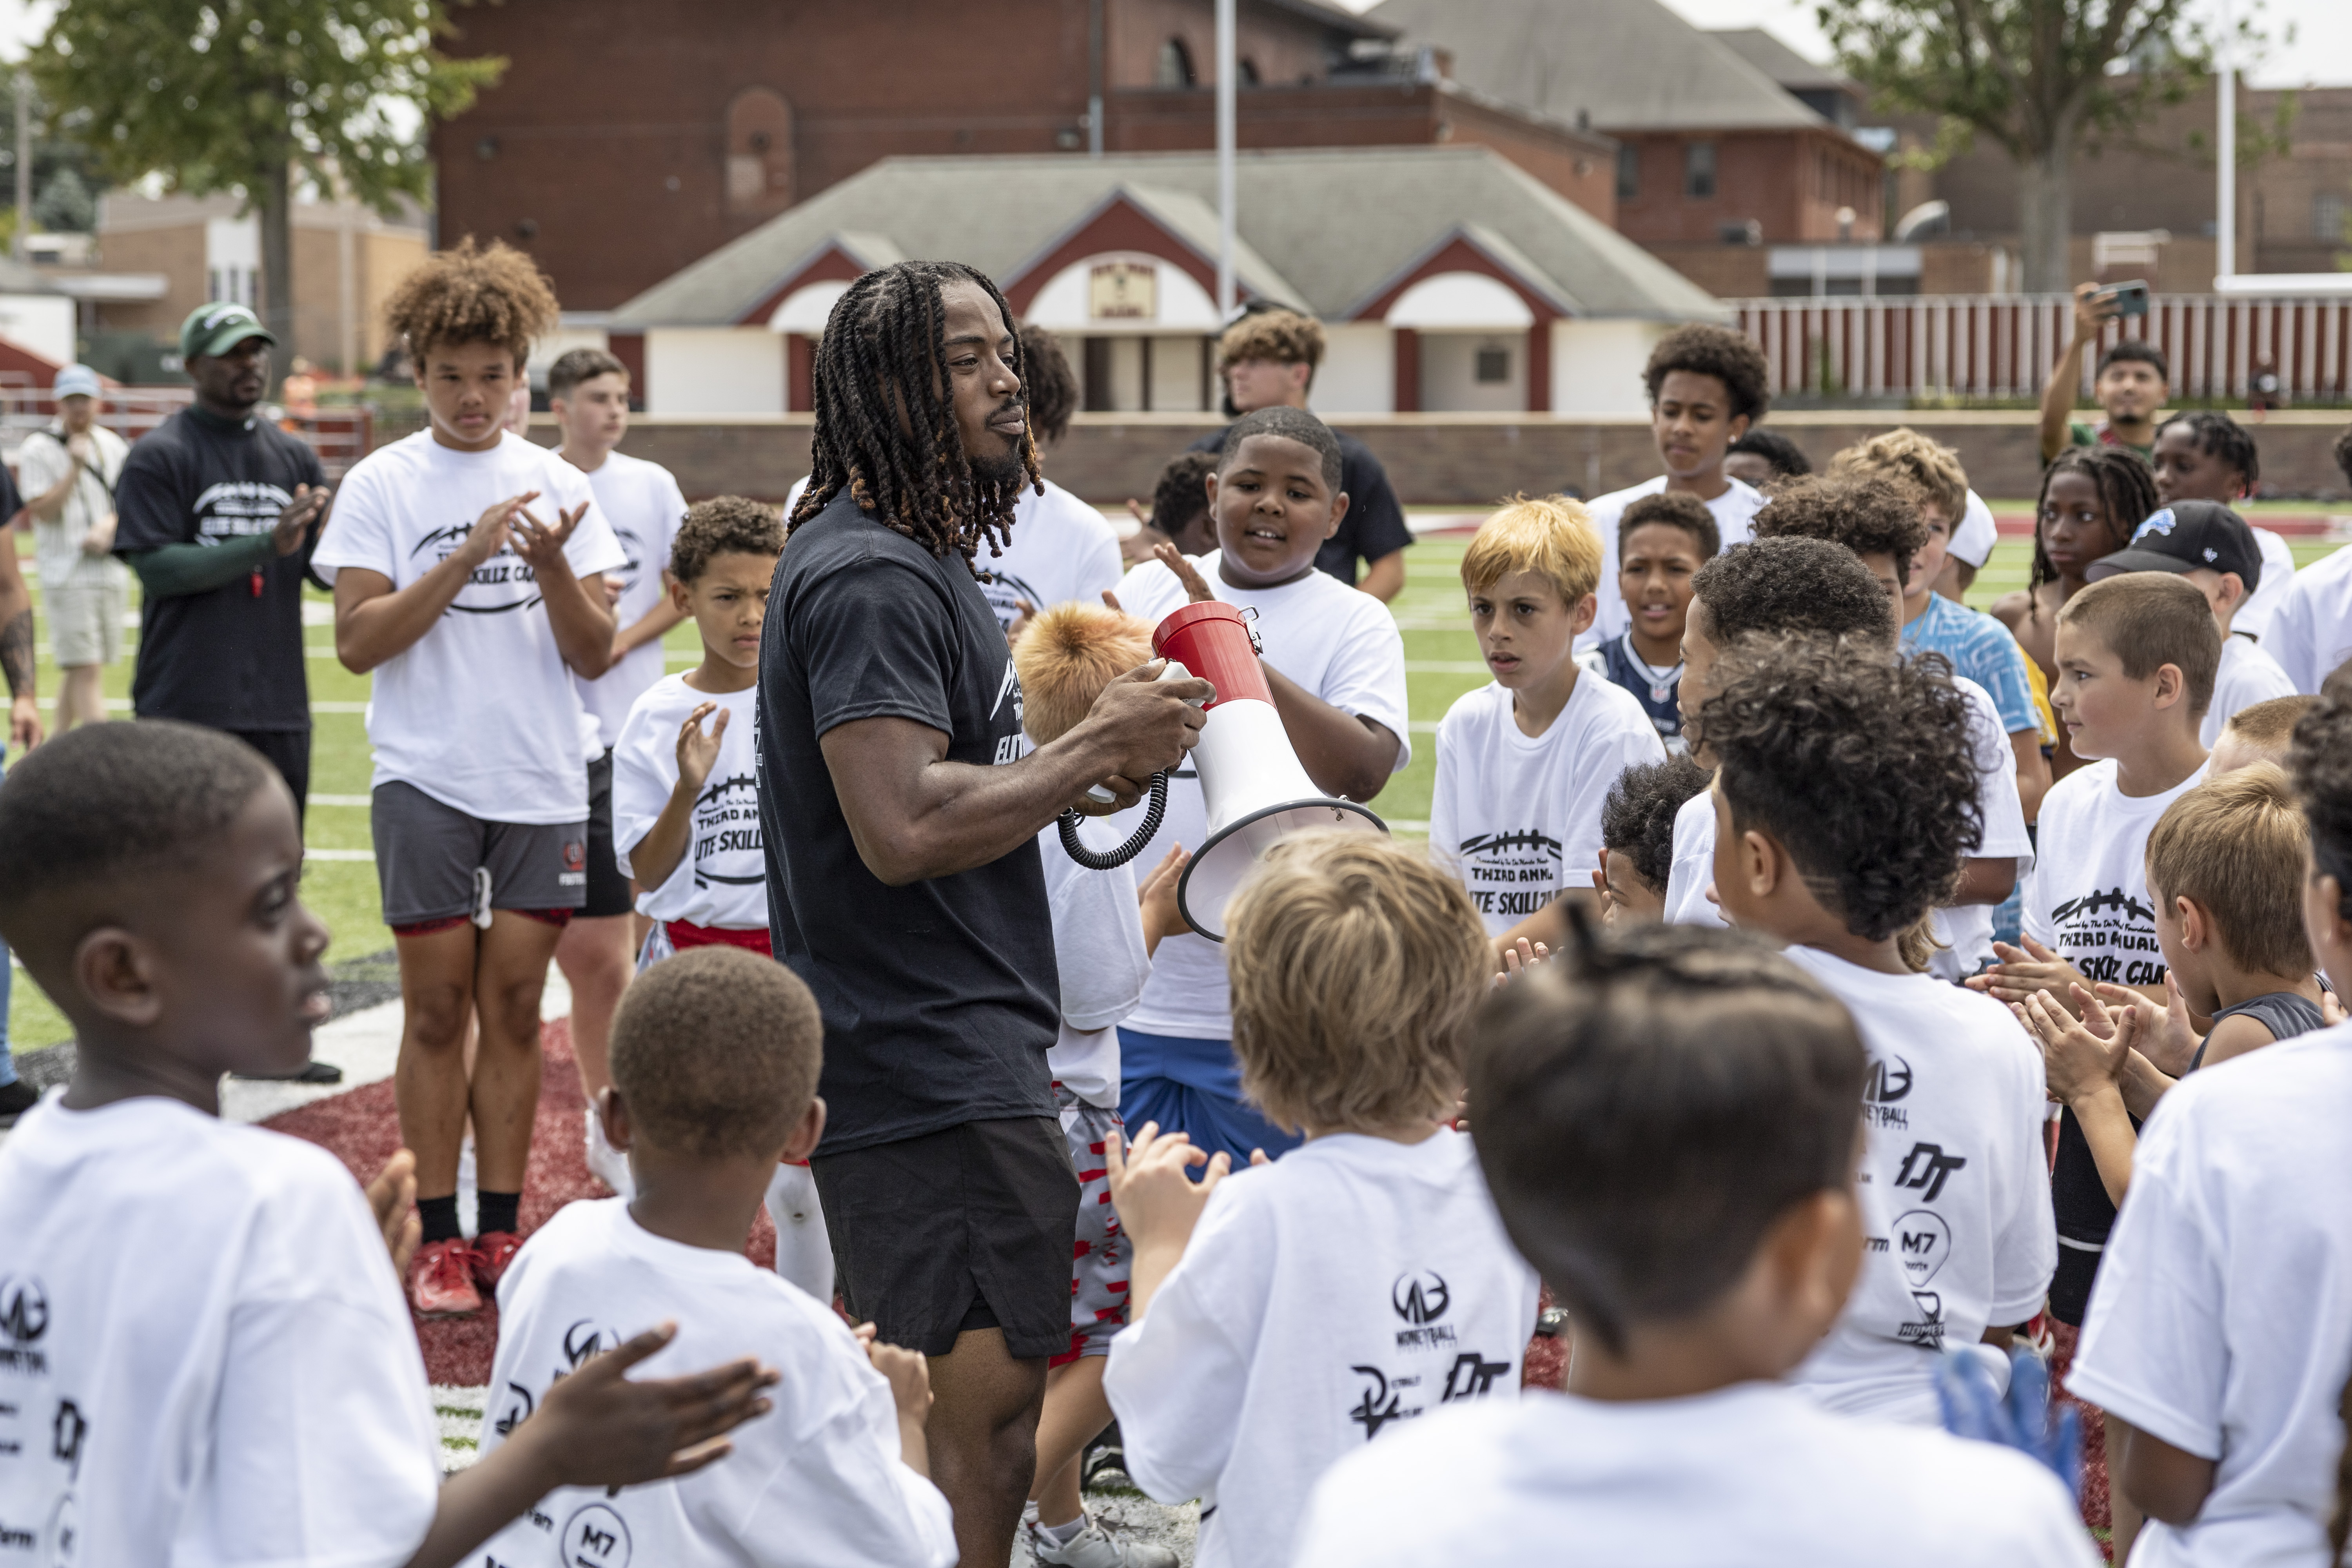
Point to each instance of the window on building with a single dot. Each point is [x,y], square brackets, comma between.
[1494,365]
[1629,170]
[1698,169]
[2328,213]
[1175,64]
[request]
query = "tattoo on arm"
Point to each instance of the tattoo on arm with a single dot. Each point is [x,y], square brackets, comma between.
[17,653]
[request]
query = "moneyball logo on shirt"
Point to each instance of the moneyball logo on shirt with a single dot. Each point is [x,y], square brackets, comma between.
[1421,1298]
[1511,874]
[505,582]
[1887,1082]
[2110,936]
[24,1319]
[238,510]
[728,849]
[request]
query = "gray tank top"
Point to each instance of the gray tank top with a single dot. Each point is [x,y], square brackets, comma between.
[2283,1012]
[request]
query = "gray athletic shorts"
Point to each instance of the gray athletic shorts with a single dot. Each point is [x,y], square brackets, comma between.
[435,866]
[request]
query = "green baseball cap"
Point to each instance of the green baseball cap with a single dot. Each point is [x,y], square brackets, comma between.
[219,327]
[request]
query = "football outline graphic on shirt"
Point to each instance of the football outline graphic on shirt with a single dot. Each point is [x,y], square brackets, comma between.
[1520,866]
[1015,588]
[506,567]
[237,509]
[712,836]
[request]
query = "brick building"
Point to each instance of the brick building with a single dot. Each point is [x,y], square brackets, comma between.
[625,142]
[1718,161]
[1447,279]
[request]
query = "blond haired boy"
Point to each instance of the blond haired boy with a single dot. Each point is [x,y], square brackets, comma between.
[1287,1315]
[1524,763]
[2258,734]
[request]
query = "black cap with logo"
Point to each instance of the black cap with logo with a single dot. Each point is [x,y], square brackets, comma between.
[2189,536]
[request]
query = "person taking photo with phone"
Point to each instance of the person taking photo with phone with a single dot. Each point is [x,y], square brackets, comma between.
[2133,384]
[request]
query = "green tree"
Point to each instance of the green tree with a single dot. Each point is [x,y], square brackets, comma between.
[248,95]
[2037,78]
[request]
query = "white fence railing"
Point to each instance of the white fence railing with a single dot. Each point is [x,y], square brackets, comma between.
[2003,346]
[341,436]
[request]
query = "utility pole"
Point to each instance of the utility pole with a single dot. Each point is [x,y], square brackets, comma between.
[24,86]
[1227,72]
[1095,79]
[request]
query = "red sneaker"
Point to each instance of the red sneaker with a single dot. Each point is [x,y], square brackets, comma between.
[493,1250]
[441,1280]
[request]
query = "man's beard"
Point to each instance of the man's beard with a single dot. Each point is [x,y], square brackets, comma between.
[1008,466]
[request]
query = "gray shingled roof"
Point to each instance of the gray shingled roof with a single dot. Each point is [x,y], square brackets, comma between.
[1322,228]
[1776,59]
[1631,64]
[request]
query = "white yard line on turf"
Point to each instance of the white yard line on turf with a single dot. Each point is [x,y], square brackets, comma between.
[122,705]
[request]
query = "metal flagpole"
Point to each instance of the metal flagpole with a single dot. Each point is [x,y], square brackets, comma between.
[1227,70]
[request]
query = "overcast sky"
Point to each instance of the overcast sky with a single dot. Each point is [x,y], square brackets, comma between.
[2320,55]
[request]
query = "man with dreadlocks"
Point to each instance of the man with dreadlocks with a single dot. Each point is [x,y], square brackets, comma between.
[901,815]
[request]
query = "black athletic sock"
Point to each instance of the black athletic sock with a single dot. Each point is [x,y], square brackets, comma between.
[498,1211]
[440,1218]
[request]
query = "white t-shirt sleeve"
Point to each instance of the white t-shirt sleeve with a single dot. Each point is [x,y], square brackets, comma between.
[1100,565]
[2025,1239]
[1097,938]
[2004,810]
[1177,1379]
[360,527]
[1366,675]
[1630,741]
[645,773]
[1444,817]
[846,1495]
[593,548]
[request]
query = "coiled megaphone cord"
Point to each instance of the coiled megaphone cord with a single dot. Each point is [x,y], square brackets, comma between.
[1110,860]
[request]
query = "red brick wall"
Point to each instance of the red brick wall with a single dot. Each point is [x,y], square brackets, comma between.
[1775,177]
[1436,459]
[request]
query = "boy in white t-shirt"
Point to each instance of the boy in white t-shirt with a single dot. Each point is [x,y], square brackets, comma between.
[2136,659]
[1707,386]
[686,810]
[2211,546]
[1105,930]
[207,1357]
[1524,763]
[1335,663]
[468,568]
[1287,1315]
[2310,632]
[2221,1325]
[588,391]
[1955,1197]
[715,1057]
[1668,1123]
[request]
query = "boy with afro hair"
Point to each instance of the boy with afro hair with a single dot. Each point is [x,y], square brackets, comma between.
[2203,454]
[1953,1197]
[467,566]
[1879,519]
[1707,386]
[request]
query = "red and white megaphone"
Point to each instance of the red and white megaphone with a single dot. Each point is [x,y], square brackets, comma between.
[1255,792]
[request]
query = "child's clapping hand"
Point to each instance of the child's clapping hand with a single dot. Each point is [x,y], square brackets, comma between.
[1162,918]
[2023,971]
[1157,1205]
[2082,1057]
[2165,1037]
[697,754]
[909,1373]
[1518,959]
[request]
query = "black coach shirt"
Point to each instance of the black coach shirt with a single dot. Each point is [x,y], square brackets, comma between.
[1374,525]
[941,997]
[231,657]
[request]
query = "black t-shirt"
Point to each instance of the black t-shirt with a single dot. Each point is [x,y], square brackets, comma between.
[941,998]
[231,657]
[1374,525]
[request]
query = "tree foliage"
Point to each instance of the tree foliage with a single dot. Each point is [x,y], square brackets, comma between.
[221,96]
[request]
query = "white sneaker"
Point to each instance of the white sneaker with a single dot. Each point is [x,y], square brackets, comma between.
[1094,1547]
[606,1163]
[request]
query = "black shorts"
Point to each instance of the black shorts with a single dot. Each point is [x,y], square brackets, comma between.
[965,1228]
[609,892]
[288,752]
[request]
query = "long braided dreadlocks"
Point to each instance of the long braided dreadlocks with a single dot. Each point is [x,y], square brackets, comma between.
[2126,488]
[885,425]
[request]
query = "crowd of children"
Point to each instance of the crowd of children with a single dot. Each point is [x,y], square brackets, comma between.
[1697,1013]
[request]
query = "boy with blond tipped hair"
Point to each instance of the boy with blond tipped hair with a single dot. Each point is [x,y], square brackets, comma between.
[1524,763]
[1287,1315]
[1105,932]
[2258,734]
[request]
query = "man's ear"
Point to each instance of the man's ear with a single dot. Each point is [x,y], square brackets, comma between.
[115,970]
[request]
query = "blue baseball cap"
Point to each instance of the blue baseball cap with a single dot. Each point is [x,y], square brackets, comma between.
[75,381]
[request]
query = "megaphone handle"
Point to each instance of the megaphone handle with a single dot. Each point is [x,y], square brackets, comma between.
[1110,860]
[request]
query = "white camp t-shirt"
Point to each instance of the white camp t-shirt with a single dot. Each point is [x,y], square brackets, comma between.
[1062,550]
[1342,644]
[2311,632]
[1098,949]
[644,506]
[2088,901]
[41,462]
[1965,929]
[1749,1474]
[205,1358]
[817,1480]
[480,712]
[2221,1320]
[723,878]
[1324,1300]
[1955,1188]
[1515,818]
[1735,518]
[2255,617]
[2248,675]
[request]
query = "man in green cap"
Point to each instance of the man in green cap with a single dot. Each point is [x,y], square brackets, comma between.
[217,512]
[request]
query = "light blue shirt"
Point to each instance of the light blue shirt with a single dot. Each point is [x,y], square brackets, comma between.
[1981,649]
